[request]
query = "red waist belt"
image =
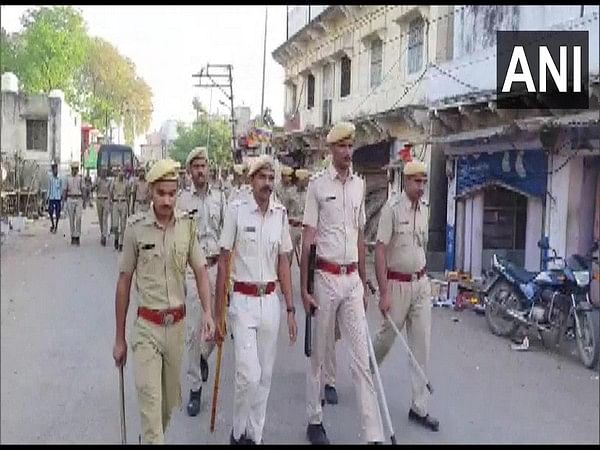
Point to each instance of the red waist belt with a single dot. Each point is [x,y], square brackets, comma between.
[254,289]
[162,316]
[336,269]
[399,276]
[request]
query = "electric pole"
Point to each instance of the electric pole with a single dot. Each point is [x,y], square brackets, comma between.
[262,101]
[216,71]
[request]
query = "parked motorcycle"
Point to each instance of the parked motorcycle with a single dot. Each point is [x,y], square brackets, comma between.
[555,302]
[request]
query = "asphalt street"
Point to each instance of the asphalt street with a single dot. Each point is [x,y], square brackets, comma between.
[59,383]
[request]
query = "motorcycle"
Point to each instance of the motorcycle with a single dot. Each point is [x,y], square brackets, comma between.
[555,302]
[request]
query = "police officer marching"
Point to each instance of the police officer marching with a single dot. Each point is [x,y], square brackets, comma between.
[101,186]
[157,247]
[404,288]
[119,197]
[140,193]
[256,236]
[74,190]
[334,220]
[240,187]
[207,205]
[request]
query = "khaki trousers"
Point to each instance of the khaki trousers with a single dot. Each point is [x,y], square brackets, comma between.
[74,209]
[411,304]
[157,354]
[195,347]
[103,209]
[120,210]
[341,297]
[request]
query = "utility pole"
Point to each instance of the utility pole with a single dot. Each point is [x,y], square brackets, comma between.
[262,101]
[209,73]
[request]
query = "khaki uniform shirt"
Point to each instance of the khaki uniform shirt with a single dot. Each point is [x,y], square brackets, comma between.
[101,186]
[337,211]
[297,199]
[210,213]
[258,240]
[74,185]
[159,257]
[141,191]
[404,231]
[119,190]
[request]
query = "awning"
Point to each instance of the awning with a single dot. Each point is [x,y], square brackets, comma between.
[474,135]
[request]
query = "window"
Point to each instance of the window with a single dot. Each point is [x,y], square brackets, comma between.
[345,77]
[415,45]
[310,93]
[376,61]
[327,93]
[37,135]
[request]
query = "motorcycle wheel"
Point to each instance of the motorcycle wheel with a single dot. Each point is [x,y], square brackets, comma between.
[589,343]
[502,294]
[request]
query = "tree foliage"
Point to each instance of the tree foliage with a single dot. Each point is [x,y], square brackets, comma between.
[196,135]
[53,51]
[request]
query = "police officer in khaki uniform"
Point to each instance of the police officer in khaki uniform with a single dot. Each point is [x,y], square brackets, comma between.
[283,191]
[403,283]
[207,205]
[157,247]
[140,193]
[256,234]
[182,182]
[101,186]
[334,219]
[119,197]
[240,187]
[73,194]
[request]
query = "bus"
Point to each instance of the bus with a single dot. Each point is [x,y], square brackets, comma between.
[110,155]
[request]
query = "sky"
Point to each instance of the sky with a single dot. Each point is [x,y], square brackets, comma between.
[170,43]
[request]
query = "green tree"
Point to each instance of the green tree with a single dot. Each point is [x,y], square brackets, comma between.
[50,49]
[110,90]
[8,52]
[219,141]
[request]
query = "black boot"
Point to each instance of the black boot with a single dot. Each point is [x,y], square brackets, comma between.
[120,247]
[77,241]
[204,368]
[193,406]
[103,241]
[116,241]
[234,441]
[72,240]
[316,434]
[427,421]
[331,394]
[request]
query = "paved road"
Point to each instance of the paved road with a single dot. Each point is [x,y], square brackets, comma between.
[59,383]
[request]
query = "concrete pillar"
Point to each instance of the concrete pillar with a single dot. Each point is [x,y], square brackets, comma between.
[477,235]
[451,233]
[460,235]
[468,239]
[557,203]
[574,206]
[533,233]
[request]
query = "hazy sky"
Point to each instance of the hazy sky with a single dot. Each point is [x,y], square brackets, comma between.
[169,43]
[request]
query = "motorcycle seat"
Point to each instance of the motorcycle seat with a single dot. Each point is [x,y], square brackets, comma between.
[520,274]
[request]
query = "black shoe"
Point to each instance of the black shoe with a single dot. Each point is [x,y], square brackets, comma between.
[331,394]
[427,421]
[77,241]
[315,433]
[72,241]
[52,228]
[103,241]
[204,368]
[375,443]
[120,247]
[193,406]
